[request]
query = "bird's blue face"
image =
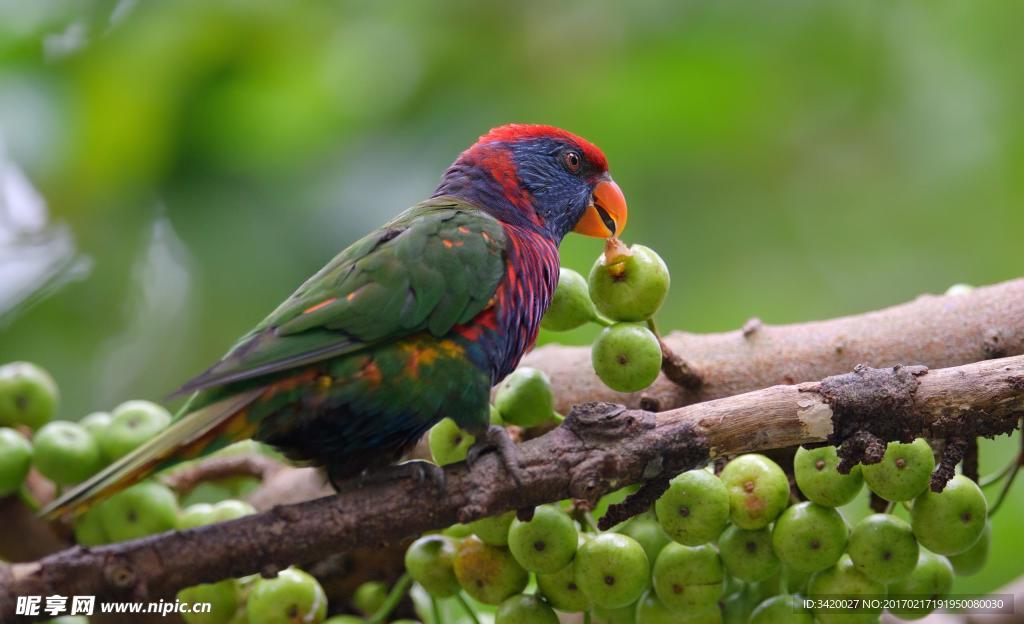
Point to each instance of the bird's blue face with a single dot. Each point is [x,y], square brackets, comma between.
[561,181]
[542,178]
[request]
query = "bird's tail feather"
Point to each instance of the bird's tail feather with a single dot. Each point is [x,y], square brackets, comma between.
[185,438]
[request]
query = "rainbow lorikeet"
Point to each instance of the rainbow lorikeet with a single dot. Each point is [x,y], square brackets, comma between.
[412,323]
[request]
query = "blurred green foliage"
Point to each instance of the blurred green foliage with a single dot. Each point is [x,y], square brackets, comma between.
[791,160]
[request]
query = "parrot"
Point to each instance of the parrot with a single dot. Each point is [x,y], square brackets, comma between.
[410,324]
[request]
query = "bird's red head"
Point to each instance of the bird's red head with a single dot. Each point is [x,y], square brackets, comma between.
[511,133]
[543,175]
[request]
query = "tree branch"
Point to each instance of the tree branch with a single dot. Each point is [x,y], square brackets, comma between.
[25,536]
[185,479]
[599,448]
[937,331]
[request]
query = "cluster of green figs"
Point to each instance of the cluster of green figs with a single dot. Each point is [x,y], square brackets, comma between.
[67,453]
[626,287]
[739,546]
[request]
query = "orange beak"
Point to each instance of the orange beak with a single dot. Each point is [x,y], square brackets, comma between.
[606,215]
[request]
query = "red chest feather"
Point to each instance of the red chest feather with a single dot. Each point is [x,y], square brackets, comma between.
[524,294]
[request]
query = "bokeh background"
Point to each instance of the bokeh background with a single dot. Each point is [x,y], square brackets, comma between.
[169,171]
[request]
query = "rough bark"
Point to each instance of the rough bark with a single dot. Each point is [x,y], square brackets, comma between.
[936,331]
[599,448]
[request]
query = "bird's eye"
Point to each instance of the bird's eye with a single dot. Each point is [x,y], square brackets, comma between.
[572,161]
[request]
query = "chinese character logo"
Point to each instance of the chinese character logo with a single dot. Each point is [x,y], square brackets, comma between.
[83,605]
[28,605]
[55,605]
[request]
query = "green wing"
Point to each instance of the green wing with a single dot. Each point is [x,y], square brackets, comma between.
[434,266]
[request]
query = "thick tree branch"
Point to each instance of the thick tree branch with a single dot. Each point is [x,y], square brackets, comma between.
[936,331]
[599,448]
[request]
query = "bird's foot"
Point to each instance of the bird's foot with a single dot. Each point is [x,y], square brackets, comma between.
[497,439]
[418,470]
[424,471]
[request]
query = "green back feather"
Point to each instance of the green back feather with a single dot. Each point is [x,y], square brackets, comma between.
[408,276]
[434,266]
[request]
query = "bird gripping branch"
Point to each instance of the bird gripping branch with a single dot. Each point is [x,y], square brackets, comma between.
[413,322]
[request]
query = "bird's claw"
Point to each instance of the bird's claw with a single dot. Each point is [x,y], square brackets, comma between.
[497,439]
[424,471]
[418,470]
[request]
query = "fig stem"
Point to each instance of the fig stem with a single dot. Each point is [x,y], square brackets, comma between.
[1003,493]
[435,610]
[996,477]
[28,499]
[467,608]
[676,369]
[1013,475]
[394,597]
